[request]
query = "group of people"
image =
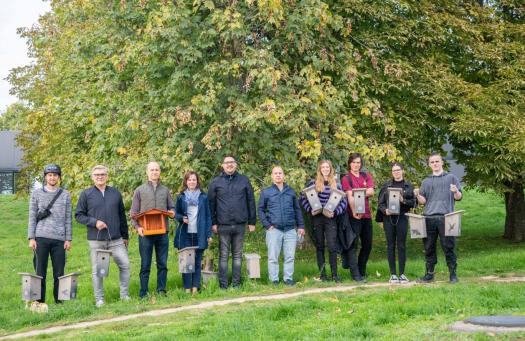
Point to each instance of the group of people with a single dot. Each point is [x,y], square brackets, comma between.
[227,210]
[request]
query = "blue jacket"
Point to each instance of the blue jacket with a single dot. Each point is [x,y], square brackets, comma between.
[203,222]
[280,209]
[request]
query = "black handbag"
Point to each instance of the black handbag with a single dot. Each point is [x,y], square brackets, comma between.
[47,211]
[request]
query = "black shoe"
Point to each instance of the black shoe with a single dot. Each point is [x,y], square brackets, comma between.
[453,278]
[275,282]
[336,279]
[289,282]
[428,278]
[359,279]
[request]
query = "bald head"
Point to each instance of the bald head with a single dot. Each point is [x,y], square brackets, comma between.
[153,171]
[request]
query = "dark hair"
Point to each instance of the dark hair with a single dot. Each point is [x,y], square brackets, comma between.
[354,156]
[434,154]
[397,163]
[229,155]
[185,180]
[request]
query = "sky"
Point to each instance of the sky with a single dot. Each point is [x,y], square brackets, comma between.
[13,49]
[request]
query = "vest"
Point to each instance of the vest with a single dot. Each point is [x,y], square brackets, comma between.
[150,198]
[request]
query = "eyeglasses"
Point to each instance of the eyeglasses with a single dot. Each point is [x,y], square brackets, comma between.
[100,175]
[396,170]
[229,162]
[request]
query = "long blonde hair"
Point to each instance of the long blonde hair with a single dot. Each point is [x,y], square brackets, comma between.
[319,179]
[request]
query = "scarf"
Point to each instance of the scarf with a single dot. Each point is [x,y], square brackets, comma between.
[192,197]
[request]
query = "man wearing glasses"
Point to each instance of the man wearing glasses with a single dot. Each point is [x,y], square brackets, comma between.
[232,205]
[101,209]
[438,193]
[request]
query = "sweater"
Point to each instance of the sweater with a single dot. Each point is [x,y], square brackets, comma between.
[436,190]
[55,226]
[323,198]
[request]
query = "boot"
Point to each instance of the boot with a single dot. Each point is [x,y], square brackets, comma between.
[429,275]
[354,271]
[452,272]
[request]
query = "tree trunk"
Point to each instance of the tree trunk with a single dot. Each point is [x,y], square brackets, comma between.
[515,213]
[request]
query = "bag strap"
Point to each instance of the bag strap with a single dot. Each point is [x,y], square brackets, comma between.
[54,199]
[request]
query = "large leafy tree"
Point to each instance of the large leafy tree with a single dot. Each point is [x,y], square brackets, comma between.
[270,81]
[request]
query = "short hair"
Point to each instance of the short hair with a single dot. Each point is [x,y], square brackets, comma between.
[434,154]
[277,166]
[229,155]
[102,167]
[397,163]
[149,163]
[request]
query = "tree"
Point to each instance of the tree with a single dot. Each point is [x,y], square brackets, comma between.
[12,118]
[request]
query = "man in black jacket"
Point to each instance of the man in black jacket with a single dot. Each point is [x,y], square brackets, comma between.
[101,209]
[232,205]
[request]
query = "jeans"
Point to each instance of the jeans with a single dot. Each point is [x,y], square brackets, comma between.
[325,228]
[119,252]
[46,247]
[193,280]
[396,227]
[146,244]
[365,234]
[435,228]
[275,241]
[230,236]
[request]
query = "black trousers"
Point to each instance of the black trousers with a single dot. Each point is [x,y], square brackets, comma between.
[363,227]
[230,237]
[436,227]
[46,247]
[396,227]
[325,228]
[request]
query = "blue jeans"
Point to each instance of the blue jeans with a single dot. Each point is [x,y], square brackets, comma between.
[146,244]
[230,236]
[193,280]
[275,241]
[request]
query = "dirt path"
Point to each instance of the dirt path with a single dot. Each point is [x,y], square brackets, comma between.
[239,300]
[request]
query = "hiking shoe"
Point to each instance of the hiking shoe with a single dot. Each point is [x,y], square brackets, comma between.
[403,279]
[428,278]
[289,282]
[393,279]
[99,303]
[453,278]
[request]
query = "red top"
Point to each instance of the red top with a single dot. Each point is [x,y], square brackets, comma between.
[358,182]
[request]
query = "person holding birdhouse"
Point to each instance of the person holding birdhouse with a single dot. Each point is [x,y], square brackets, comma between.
[396,197]
[152,195]
[192,211]
[438,193]
[49,229]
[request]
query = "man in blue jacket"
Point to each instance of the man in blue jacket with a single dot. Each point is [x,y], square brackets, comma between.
[232,206]
[280,215]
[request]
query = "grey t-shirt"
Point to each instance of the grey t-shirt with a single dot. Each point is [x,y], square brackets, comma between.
[436,190]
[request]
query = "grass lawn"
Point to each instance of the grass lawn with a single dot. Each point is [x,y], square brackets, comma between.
[481,251]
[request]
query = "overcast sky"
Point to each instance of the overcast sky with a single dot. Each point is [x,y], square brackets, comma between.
[13,49]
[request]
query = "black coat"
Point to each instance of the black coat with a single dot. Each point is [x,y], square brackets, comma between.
[232,201]
[409,200]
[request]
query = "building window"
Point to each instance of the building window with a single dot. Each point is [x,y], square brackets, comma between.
[7,182]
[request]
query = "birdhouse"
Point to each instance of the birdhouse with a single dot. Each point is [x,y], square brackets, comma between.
[359,200]
[418,226]
[394,196]
[187,260]
[252,265]
[208,275]
[333,201]
[103,257]
[67,286]
[311,195]
[453,224]
[31,286]
[153,221]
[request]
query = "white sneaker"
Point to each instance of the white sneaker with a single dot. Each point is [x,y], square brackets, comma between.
[99,303]
[403,279]
[394,279]
[125,298]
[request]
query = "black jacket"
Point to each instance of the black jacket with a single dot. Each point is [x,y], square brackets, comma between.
[109,208]
[409,200]
[231,200]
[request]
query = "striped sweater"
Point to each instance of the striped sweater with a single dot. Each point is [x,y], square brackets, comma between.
[323,198]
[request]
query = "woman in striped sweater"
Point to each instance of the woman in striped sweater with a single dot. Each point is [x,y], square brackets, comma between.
[325,226]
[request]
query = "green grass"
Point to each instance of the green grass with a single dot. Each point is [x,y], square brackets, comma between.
[481,251]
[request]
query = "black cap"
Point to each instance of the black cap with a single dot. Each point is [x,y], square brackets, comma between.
[52,168]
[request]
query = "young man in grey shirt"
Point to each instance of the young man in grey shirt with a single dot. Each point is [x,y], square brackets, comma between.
[50,233]
[438,193]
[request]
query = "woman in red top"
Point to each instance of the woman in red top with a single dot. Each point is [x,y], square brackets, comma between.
[361,222]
